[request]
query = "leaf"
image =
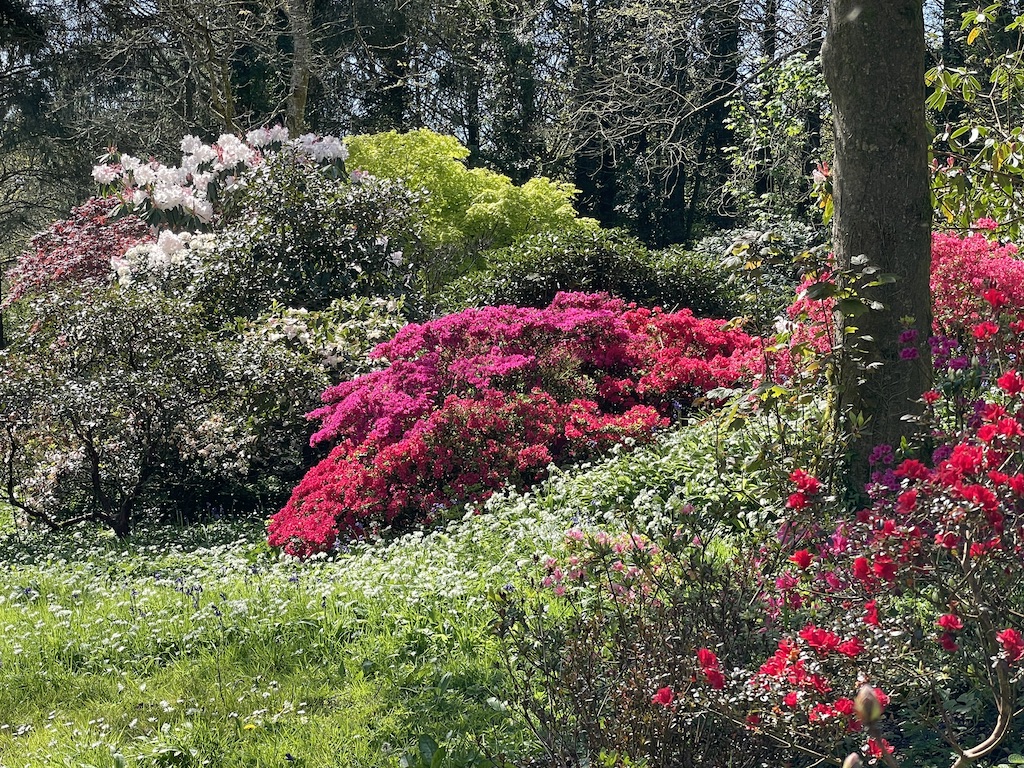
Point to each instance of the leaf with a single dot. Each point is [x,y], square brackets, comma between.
[1015,759]
[819,291]
[973,35]
[851,307]
[427,747]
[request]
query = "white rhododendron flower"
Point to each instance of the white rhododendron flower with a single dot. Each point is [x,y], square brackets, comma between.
[105,174]
[191,144]
[145,175]
[207,170]
[169,243]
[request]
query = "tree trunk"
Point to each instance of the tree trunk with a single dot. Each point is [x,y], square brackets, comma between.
[302,54]
[874,60]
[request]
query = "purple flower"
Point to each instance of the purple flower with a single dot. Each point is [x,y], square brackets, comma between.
[909,336]
[909,353]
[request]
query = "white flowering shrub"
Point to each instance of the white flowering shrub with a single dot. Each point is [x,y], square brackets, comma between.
[340,337]
[119,403]
[196,188]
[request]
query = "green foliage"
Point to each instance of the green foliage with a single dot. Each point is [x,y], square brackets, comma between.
[465,206]
[774,126]
[765,261]
[532,271]
[121,404]
[302,237]
[978,166]
[339,337]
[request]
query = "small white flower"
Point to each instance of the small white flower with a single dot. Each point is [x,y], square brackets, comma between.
[278,133]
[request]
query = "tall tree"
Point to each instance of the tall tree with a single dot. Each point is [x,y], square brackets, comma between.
[874,61]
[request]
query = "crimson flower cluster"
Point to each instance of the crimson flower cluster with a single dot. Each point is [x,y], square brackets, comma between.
[490,397]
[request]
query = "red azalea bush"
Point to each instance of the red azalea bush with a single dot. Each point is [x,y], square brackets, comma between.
[77,248]
[963,270]
[490,397]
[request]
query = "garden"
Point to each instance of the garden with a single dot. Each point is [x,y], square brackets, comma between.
[328,450]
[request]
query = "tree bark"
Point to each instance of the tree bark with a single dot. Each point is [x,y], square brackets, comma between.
[302,55]
[874,62]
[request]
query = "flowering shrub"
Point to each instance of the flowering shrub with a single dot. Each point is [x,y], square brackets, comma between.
[79,248]
[119,403]
[490,396]
[963,269]
[880,622]
[196,189]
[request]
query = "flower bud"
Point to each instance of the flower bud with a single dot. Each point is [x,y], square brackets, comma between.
[852,761]
[866,706]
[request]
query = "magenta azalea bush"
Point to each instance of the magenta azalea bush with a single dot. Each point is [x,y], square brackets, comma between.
[490,397]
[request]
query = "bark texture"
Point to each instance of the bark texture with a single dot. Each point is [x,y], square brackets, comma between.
[874,62]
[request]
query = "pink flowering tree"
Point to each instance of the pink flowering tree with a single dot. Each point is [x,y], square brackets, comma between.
[490,397]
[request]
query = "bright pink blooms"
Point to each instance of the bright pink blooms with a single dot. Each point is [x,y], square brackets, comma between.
[665,696]
[490,397]
[950,622]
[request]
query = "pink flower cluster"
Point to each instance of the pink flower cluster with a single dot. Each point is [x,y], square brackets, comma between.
[974,281]
[972,277]
[77,248]
[492,396]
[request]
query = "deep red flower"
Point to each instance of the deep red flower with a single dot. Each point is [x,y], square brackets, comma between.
[802,558]
[665,696]
[871,613]
[852,647]
[1012,642]
[861,568]
[707,659]
[948,642]
[805,482]
[715,678]
[796,501]
[1011,382]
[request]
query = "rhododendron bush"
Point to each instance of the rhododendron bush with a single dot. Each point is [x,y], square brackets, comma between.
[488,397]
[894,629]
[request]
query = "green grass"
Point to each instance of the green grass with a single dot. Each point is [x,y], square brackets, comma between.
[174,650]
[201,647]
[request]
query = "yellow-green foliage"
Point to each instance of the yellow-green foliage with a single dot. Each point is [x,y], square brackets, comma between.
[466,204]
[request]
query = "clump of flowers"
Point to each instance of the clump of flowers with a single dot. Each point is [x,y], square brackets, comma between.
[490,397]
[196,188]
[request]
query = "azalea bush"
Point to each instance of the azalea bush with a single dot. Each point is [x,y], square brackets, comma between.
[490,397]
